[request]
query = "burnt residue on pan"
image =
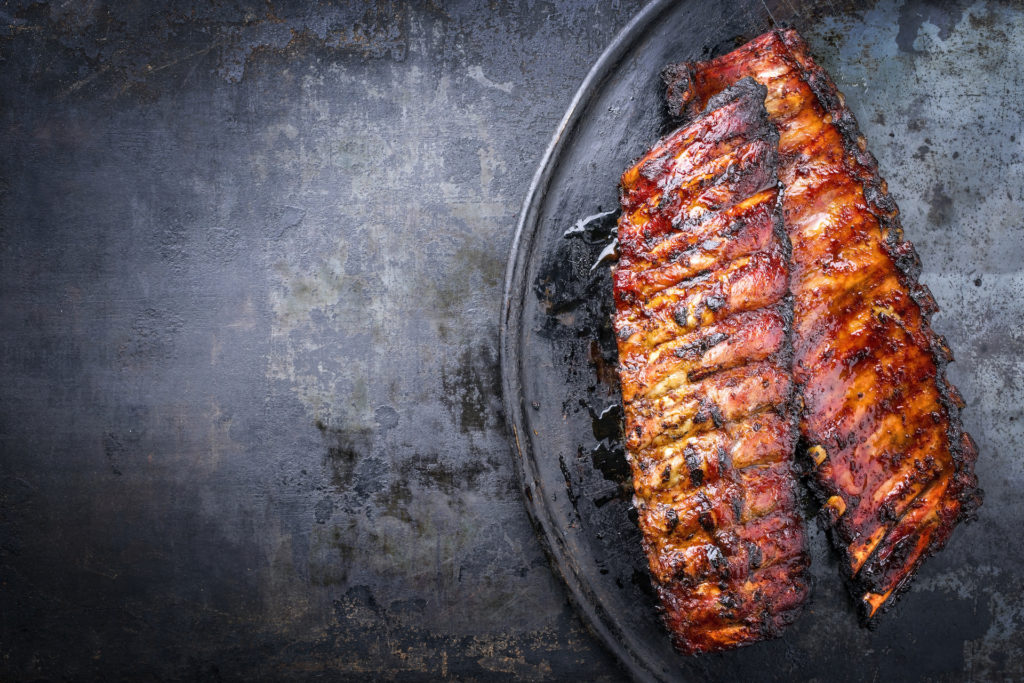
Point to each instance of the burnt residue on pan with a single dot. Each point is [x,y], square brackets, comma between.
[936,99]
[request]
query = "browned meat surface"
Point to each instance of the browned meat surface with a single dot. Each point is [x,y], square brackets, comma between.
[703,325]
[889,458]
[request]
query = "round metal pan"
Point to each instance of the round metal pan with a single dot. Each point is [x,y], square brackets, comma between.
[937,91]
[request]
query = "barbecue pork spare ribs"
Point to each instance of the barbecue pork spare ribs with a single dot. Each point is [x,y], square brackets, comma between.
[764,282]
[703,318]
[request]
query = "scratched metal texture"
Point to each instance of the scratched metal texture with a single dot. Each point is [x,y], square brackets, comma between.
[938,91]
[250,269]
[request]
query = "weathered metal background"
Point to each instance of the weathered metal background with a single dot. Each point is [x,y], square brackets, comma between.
[250,268]
[250,271]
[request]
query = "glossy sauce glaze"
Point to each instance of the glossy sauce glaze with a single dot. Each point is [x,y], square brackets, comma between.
[889,459]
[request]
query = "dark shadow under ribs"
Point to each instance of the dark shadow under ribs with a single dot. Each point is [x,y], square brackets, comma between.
[703,319]
[889,458]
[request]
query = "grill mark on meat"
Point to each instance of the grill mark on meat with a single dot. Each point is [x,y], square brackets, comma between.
[652,451]
[869,367]
[703,318]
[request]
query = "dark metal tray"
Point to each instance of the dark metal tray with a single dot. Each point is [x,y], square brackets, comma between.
[937,91]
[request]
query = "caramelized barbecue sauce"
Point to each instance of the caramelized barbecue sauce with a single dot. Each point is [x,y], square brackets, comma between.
[702,324]
[891,464]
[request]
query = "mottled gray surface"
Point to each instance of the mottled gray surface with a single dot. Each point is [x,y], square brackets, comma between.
[250,265]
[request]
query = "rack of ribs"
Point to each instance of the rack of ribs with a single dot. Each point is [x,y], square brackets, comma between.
[887,454]
[703,317]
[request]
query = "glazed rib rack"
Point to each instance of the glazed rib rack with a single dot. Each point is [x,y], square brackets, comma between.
[703,319]
[887,453]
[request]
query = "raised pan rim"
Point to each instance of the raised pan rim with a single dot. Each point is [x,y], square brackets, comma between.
[508,335]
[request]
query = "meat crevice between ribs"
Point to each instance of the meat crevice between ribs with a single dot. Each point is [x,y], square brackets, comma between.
[703,321]
[886,450]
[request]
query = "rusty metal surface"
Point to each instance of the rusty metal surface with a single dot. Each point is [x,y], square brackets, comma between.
[250,268]
[937,89]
